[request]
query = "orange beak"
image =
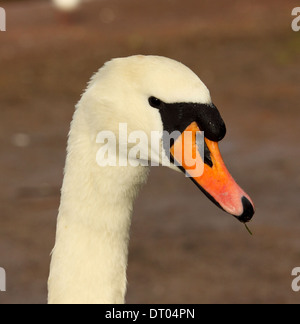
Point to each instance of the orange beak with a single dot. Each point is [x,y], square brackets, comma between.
[209,173]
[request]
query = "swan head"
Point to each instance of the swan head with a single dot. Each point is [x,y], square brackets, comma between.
[157,95]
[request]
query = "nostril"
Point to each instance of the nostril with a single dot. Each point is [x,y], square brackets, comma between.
[248,211]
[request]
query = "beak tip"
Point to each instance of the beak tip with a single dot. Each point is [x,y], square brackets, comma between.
[248,211]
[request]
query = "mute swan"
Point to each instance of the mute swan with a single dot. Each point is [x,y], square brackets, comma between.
[148,93]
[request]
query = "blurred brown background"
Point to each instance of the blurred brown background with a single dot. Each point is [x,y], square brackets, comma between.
[183,249]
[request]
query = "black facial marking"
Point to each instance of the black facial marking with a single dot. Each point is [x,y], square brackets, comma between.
[207,156]
[155,103]
[178,116]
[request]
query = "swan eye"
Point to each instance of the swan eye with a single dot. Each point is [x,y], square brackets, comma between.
[155,103]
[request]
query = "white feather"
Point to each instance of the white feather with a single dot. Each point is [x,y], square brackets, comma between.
[89,260]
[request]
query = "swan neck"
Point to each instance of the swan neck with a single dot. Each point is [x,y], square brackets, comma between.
[89,260]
